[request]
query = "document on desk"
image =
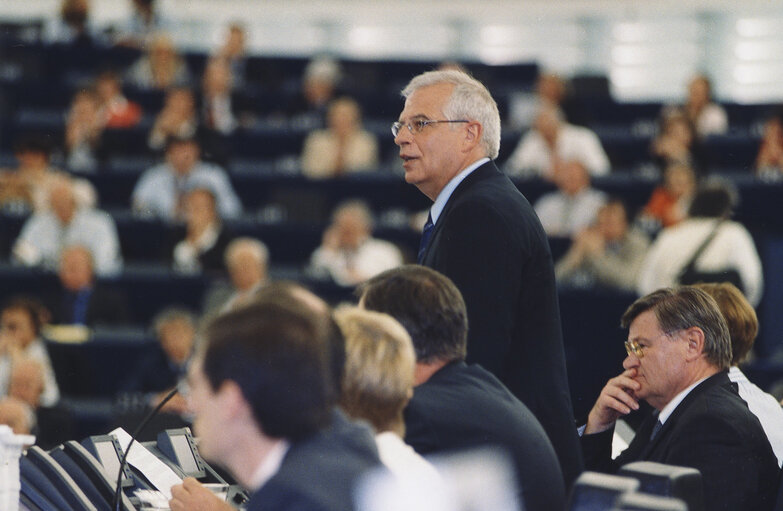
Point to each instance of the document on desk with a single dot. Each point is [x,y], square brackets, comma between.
[157,472]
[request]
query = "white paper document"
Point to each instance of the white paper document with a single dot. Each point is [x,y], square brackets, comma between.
[158,473]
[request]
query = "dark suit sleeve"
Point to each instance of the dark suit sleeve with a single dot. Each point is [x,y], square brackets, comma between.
[475,252]
[597,451]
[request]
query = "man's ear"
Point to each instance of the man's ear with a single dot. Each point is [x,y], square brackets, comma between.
[233,400]
[473,134]
[694,336]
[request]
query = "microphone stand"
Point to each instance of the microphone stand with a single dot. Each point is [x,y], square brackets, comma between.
[116,503]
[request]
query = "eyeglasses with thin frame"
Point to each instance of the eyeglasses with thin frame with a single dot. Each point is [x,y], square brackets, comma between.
[633,348]
[417,125]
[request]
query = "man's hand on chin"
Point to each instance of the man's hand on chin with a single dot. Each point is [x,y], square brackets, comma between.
[617,398]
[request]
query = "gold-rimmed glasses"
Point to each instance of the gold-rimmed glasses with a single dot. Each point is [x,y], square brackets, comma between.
[632,347]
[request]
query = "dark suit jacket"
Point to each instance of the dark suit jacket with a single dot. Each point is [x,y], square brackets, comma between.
[106,306]
[711,430]
[489,241]
[463,406]
[319,473]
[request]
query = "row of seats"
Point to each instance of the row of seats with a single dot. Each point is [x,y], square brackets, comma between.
[273,140]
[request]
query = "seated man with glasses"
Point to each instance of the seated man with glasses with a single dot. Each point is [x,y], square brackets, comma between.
[679,353]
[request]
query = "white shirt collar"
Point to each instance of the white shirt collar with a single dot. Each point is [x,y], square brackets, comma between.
[672,405]
[445,194]
[269,465]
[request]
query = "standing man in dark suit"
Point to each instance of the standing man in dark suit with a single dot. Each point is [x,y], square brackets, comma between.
[262,392]
[455,405]
[483,234]
[678,356]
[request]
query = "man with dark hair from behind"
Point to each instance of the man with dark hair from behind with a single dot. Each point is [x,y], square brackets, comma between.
[455,405]
[263,394]
[678,355]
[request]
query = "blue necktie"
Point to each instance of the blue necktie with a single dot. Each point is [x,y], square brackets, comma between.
[425,239]
[656,429]
[80,304]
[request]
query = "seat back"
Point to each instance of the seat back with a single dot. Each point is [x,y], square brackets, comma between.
[594,491]
[668,481]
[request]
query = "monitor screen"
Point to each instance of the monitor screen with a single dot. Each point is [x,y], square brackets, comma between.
[109,459]
[182,450]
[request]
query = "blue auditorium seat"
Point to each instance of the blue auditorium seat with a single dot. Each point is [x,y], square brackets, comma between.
[96,368]
[734,152]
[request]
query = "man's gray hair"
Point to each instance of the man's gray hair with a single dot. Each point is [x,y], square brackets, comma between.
[684,307]
[470,100]
[256,247]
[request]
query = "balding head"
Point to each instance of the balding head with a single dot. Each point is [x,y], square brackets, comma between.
[246,260]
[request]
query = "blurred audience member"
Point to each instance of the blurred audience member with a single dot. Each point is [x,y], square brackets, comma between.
[205,238]
[609,253]
[144,23]
[72,25]
[52,425]
[161,189]
[247,261]
[769,161]
[160,68]
[45,234]
[159,372]
[344,147]
[84,127]
[705,115]
[28,186]
[669,202]
[677,143]
[216,109]
[82,301]
[378,383]
[177,118]
[551,141]
[21,321]
[17,415]
[574,205]
[118,112]
[348,253]
[233,52]
[319,84]
[27,381]
[550,89]
[743,327]
[729,246]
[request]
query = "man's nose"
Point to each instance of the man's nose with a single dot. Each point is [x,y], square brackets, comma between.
[403,136]
[630,361]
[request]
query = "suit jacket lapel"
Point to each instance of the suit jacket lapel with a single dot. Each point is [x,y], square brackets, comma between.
[671,422]
[483,172]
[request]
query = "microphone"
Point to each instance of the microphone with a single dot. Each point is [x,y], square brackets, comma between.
[115,505]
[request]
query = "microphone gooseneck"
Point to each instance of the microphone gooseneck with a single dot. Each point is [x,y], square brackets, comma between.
[116,503]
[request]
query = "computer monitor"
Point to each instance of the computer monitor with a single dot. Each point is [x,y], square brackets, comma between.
[179,446]
[107,450]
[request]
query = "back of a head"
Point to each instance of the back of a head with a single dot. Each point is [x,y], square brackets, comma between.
[470,100]
[685,307]
[427,304]
[739,315]
[379,366]
[714,199]
[277,354]
[292,294]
